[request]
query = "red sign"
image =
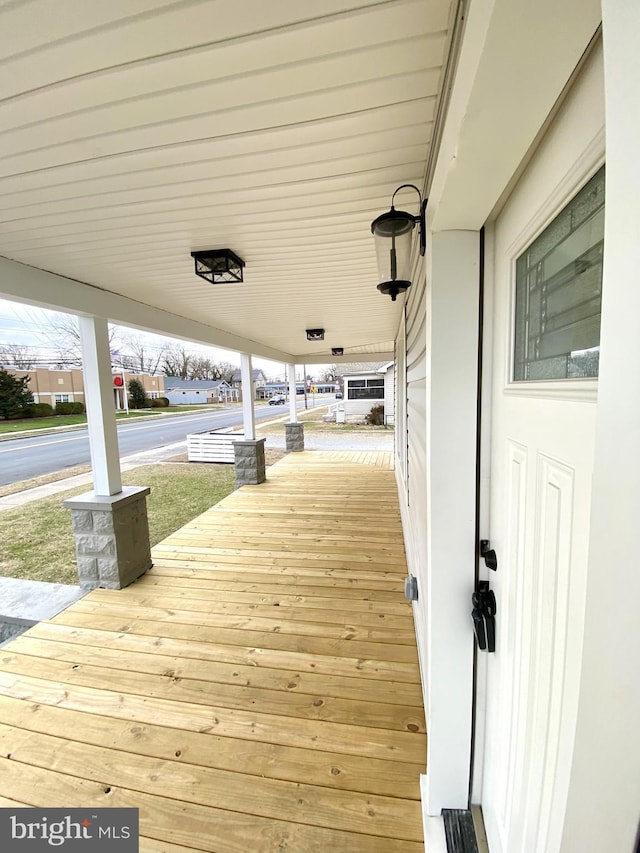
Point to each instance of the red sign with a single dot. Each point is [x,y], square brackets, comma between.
[118,381]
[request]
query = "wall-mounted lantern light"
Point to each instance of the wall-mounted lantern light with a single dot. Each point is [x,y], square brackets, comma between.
[315,334]
[393,234]
[218,266]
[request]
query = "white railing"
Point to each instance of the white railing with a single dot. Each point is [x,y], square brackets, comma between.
[215,446]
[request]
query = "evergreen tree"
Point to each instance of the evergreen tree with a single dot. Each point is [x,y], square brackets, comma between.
[14,394]
[137,394]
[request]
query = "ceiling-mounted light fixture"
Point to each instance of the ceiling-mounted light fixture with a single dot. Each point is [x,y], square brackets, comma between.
[218,266]
[337,350]
[315,334]
[393,234]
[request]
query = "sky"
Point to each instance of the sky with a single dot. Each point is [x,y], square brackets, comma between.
[22,324]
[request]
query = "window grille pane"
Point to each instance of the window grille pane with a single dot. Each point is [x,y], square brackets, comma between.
[373,393]
[559,292]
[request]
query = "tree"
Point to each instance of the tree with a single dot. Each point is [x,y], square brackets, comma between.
[14,394]
[330,374]
[63,334]
[200,368]
[18,356]
[177,361]
[137,395]
[140,355]
[224,370]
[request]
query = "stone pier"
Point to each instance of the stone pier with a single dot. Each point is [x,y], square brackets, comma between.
[294,436]
[112,537]
[250,462]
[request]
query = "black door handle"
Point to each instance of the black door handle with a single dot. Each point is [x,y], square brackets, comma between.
[478,628]
[484,617]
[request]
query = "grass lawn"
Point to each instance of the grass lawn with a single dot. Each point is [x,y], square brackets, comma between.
[37,542]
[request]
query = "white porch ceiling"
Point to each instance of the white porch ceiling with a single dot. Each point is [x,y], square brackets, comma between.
[136,131]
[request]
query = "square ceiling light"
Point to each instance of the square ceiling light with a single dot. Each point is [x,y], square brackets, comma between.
[218,266]
[315,334]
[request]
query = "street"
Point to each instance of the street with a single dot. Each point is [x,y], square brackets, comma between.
[24,458]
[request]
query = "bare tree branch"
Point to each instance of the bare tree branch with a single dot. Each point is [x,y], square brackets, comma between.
[176,361]
[140,356]
[17,356]
[63,335]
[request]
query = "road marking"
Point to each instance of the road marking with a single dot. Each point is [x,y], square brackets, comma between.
[47,443]
[125,428]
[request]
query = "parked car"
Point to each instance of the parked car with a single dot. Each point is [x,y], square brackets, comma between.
[277,400]
[338,395]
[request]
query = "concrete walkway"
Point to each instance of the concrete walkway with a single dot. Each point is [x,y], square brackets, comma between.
[337,441]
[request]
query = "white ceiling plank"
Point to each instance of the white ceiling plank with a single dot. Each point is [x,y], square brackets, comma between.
[320,105]
[143,132]
[177,196]
[182,76]
[139,167]
[37,287]
[203,105]
[155,183]
[59,21]
[182,26]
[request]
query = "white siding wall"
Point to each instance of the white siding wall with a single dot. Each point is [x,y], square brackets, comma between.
[400,374]
[411,449]
[190,397]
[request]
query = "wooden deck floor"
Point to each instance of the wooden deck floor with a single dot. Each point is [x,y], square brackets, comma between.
[257,690]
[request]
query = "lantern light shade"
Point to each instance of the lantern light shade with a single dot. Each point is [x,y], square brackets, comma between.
[218,266]
[393,235]
[315,334]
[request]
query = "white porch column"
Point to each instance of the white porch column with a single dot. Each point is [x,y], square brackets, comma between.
[248,412]
[98,391]
[602,807]
[293,393]
[110,524]
[452,362]
[294,430]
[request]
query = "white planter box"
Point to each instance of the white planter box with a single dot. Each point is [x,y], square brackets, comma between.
[216,446]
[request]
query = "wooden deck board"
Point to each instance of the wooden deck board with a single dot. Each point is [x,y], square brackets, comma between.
[257,690]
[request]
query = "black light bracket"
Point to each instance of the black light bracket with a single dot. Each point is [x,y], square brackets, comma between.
[421,218]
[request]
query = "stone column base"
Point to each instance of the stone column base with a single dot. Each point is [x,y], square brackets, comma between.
[294,436]
[250,464]
[112,537]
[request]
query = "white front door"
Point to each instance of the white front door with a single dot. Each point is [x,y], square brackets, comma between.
[547,254]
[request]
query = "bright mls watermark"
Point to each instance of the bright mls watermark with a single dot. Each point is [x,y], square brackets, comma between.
[69,830]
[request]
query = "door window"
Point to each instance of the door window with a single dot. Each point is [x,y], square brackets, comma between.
[559,293]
